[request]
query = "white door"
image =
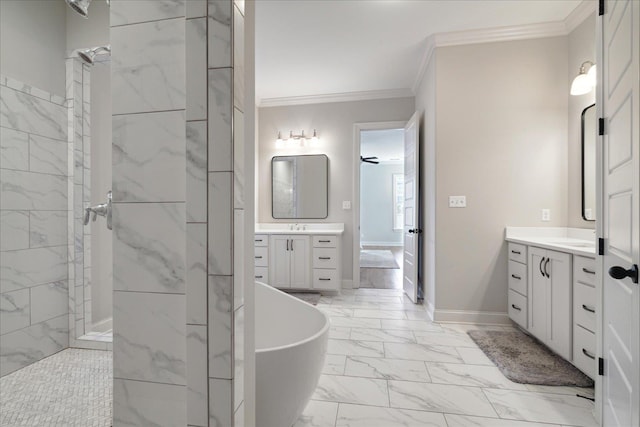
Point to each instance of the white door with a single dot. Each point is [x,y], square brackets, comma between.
[619,96]
[537,293]
[411,208]
[559,326]
[279,261]
[299,261]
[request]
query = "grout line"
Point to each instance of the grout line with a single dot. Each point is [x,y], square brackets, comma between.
[148,112]
[173,18]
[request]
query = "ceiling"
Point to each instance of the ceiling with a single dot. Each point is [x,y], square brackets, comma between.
[320,47]
[386,145]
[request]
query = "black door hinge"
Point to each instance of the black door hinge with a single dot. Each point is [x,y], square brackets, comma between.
[600,127]
[600,246]
[600,366]
[600,7]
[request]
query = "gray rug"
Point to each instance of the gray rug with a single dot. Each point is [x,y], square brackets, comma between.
[311,297]
[524,360]
[376,258]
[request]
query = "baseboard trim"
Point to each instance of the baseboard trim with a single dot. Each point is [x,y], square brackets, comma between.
[431,311]
[467,316]
[347,284]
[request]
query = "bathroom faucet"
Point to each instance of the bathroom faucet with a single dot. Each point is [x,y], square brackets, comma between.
[103,209]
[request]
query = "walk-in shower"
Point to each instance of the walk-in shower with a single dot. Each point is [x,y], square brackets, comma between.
[92,54]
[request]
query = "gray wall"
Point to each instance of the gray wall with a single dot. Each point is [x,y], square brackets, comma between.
[33,43]
[501,140]
[334,123]
[34,284]
[377,204]
[582,47]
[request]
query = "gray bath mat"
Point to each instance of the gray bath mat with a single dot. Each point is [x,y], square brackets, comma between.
[524,360]
[376,258]
[311,297]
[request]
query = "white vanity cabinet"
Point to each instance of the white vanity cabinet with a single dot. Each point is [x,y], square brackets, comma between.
[261,258]
[584,314]
[327,261]
[289,266]
[549,298]
[518,284]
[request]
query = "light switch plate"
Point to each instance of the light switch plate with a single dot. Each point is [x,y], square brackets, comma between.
[457,201]
[346,204]
[546,215]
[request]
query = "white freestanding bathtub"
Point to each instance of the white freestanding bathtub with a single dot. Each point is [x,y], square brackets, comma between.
[291,343]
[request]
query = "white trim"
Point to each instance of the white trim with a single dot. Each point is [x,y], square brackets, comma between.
[335,97]
[489,35]
[579,14]
[392,244]
[357,127]
[424,62]
[476,317]
[430,310]
[347,284]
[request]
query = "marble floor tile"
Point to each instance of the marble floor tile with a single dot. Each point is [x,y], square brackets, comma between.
[368,416]
[379,314]
[379,299]
[366,391]
[542,407]
[412,325]
[470,375]
[318,414]
[417,315]
[337,311]
[389,369]
[469,421]
[440,398]
[463,328]
[350,322]
[339,333]
[356,348]
[585,391]
[334,364]
[474,356]
[427,353]
[394,335]
[447,338]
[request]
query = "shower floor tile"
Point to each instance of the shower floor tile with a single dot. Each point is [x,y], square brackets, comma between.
[70,388]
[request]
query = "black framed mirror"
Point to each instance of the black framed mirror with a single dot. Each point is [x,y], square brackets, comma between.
[299,187]
[588,132]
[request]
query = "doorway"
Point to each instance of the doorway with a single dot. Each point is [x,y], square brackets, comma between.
[381,203]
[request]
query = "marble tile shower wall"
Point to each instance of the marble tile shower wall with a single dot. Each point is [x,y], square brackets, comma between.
[215,212]
[149,212]
[33,225]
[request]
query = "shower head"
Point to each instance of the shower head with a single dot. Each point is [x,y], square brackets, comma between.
[89,55]
[80,6]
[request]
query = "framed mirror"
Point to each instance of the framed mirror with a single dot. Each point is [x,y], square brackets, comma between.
[589,163]
[299,187]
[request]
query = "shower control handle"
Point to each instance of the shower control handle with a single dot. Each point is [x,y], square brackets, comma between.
[103,209]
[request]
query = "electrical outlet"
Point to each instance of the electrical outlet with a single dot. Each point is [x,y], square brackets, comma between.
[457,201]
[346,205]
[546,214]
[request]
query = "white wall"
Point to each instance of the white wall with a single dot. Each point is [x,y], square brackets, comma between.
[582,47]
[334,123]
[501,140]
[33,43]
[377,204]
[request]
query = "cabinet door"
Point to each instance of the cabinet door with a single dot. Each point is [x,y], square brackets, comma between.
[279,261]
[559,322]
[537,298]
[300,255]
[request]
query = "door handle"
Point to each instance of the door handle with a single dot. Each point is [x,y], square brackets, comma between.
[545,267]
[415,230]
[618,272]
[540,266]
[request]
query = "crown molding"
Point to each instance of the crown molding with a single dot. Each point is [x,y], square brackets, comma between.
[579,14]
[335,97]
[427,54]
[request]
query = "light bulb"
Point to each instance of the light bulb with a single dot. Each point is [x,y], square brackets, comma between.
[581,85]
[314,138]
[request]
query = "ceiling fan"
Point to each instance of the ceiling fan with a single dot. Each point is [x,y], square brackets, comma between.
[372,160]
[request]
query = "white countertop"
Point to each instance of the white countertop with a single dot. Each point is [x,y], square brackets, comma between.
[299,228]
[578,241]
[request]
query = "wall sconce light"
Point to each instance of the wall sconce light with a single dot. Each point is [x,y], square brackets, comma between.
[297,139]
[585,81]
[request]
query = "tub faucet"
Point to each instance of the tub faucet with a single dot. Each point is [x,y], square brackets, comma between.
[103,209]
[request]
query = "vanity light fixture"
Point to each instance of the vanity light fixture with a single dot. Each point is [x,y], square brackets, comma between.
[297,139]
[585,81]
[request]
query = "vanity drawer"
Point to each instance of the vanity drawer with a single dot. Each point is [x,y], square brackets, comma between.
[518,308]
[261,257]
[518,277]
[261,274]
[584,348]
[324,241]
[584,270]
[325,258]
[584,305]
[261,240]
[517,252]
[325,279]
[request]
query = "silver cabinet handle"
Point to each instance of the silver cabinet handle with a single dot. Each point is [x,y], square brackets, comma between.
[586,270]
[515,307]
[589,355]
[589,309]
